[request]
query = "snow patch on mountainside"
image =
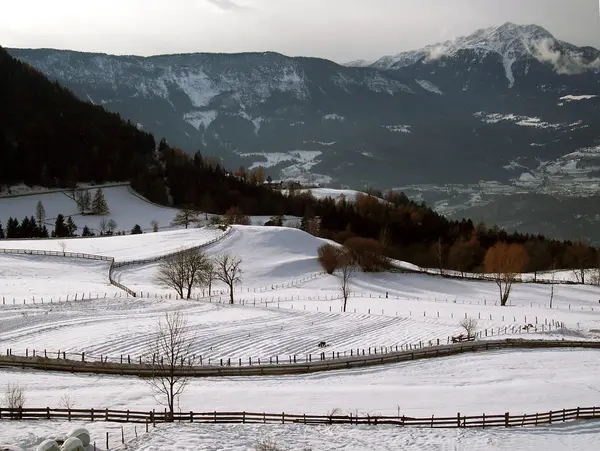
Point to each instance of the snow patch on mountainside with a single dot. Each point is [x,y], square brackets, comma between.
[428,86]
[333,117]
[523,121]
[200,118]
[305,157]
[571,98]
[398,128]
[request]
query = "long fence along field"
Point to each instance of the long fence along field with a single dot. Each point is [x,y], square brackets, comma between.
[153,417]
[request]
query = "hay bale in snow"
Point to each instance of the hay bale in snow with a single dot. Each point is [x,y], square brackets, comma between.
[72,444]
[82,434]
[48,445]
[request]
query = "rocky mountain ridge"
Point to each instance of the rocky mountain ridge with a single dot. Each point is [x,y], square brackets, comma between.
[508,104]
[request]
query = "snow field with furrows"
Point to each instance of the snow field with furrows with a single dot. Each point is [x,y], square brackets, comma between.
[285,305]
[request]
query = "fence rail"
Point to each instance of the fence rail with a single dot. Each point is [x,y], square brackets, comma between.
[281,365]
[144,261]
[152,417]
[56,254]
[113,264]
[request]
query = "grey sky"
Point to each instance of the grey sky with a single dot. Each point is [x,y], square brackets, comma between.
[340,30]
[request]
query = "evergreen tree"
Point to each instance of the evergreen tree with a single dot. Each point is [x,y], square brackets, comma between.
[99,205]
[86,231]
[40,213]
[2,236]
[60,228]
[71,226]
[12,228]
[25,229]
[44,232]
[137,230]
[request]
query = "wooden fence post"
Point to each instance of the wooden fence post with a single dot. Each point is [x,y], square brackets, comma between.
[506,419]
[458,419]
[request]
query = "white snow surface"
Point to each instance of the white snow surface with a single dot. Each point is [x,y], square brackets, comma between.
[123,248]
[200,118]
[289,306]
[491,382]
[243,437]
[572,98]
[127,209]
[428,86]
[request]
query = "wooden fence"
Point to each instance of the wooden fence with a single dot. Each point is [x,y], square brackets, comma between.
[279,365]
[152,417]
[170,254]
[56,254]
[324,355]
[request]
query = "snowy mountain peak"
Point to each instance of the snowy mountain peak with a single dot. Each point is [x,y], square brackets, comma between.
[511,41]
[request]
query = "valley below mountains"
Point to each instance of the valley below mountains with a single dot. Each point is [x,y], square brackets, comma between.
[501,125]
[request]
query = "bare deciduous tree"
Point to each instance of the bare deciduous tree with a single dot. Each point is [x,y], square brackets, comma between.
[14,397]
[505,262]
[469,325]
[183,271]
[66,402]
[347,269]
[209,276]
[228,270]
[103,226]
[171,356]
[112,226]
[63,246]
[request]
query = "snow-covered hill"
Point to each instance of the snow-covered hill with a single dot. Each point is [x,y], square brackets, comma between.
[282,309]
[127,208]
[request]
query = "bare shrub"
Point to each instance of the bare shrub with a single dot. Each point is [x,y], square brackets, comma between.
[154,225]
[368,254]
[329,257]
[235,215]
[269,444]
[469,325]
[14,397]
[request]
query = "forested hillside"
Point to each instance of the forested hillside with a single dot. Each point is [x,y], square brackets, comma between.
[48,137]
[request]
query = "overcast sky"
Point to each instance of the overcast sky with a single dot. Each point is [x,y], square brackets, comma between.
[340,30]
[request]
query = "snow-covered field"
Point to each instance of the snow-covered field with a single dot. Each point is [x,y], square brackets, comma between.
[126,209]
[285,306]
[124,248]
[494,383]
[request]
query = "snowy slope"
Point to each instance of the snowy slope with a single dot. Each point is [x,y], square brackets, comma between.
[126,208]
[44,277]
[123,248]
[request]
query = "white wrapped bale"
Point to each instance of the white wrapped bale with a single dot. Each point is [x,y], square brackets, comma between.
[72,444]
[82,434]
[11,448]
[48,445]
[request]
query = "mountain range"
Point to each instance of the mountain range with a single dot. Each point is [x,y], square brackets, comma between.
[506,111]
